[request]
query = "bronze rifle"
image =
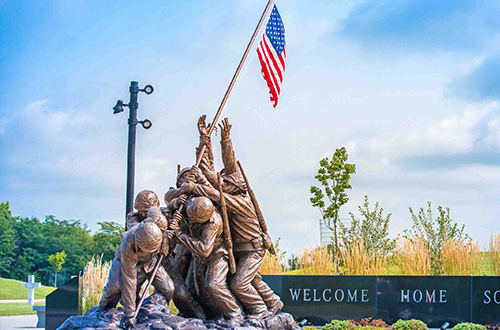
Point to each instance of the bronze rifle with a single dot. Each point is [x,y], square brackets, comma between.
[227,231]
[260,216]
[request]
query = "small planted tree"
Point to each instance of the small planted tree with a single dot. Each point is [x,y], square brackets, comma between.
[57,260]
[372,227]
[334,176]
[435,232]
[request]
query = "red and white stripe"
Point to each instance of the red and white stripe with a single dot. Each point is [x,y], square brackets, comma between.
[272,67]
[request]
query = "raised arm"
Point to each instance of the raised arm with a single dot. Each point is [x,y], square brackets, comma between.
[207,161]
[228,157]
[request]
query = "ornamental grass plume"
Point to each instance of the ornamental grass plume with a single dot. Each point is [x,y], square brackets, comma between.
[316,261]
[413,257]
[494,253]
[359,261]
[92,282]
[272,264]
[461,257]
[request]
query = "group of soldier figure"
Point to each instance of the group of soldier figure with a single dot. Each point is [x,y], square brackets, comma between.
[195,250]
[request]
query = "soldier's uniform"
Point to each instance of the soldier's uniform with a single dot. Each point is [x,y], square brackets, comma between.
[143,202]
[254,294]
[133,263]
[211,261]
[180,264]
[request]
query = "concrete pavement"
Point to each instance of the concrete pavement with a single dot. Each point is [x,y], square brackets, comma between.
[18,322]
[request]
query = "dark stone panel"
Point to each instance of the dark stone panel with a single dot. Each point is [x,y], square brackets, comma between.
[320,299]
[486,300]
[275,282]
[61,304]
[432,299]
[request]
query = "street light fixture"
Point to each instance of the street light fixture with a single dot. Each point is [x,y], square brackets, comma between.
[146,123]
[132,124]
[118,107]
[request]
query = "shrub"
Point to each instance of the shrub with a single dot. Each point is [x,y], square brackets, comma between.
[368,327]
[469,326]
[339,325]
[409,325]
[369,321]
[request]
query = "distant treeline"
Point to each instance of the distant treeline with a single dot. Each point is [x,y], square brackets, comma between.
[26,243]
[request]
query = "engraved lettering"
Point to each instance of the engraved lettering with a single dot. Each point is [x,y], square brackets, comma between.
[405,296]
[364,295]
[307,294]
[415,294]
[497,301]
[314,296]
[487,298]
[430,298]
[442,297]
[324,296]
[295,294]
[336,296]
[352,297]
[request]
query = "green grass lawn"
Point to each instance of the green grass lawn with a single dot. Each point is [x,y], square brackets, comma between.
[17,309]
[12,289]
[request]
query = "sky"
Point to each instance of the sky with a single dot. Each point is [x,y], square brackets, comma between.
[410,88]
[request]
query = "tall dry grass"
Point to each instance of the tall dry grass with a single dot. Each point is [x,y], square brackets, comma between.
[494,253]
[272,264]
[412,256]
[92,282]
[357,260]
[461,257]
[315,261]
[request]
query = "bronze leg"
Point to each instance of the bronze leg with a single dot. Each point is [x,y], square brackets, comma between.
[267,294]
[183,300]
[248,264]
[163,283]
[215,286]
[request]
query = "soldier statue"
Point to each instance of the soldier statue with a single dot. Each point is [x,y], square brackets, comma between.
[206,243]
[133,263]
[250,242]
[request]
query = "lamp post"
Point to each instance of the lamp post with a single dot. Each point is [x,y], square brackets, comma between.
[133,105]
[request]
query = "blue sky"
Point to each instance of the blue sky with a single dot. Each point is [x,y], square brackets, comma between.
[411,88]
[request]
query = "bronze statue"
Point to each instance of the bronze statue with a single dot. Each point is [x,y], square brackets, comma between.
[249,240]
[134,261]
[206,246]
[211,263]
[180,264]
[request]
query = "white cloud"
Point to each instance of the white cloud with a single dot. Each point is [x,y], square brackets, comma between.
[454,135]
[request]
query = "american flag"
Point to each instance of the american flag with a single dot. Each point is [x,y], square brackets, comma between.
[272,55]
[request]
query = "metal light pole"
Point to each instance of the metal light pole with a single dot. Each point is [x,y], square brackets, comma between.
[132,125]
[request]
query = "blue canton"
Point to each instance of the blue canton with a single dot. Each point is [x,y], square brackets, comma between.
[275,31]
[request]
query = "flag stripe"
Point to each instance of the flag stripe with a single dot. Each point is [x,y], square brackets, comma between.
[272,71]
[272,54]
[273,58]
[265,74]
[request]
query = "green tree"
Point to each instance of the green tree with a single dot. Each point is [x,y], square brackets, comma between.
[107,239]
[434,232]
[372,228]
[7,239]
[334,176]
[57,260]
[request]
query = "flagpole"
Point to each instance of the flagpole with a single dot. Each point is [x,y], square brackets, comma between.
[235,77]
